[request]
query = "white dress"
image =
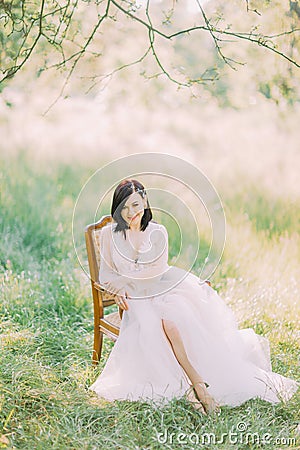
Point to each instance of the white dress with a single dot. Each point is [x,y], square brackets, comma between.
[142,366]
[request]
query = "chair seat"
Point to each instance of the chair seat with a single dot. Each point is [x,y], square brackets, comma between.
[110,325]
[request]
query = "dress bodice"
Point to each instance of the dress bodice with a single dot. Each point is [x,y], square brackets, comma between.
[136,271]
[153,250]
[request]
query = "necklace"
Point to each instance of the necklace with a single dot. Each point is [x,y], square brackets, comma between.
[136,248]
[136,263]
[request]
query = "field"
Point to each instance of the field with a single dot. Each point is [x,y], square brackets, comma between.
[47,318]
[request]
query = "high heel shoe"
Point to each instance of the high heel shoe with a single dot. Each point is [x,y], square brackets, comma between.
[208,402]
[194,401]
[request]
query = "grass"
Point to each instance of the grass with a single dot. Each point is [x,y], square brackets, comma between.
[46,321]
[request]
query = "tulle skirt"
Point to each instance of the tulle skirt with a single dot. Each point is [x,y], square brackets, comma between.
[235,363]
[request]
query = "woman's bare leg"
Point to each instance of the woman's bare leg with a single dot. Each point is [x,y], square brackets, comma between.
[177,345]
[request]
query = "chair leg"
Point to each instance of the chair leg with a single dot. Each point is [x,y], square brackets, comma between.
[98,341]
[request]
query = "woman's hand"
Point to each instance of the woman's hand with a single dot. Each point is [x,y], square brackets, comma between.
[121,295]
[121,301]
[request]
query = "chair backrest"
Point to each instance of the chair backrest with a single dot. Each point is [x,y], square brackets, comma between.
[92,239]
[101,297]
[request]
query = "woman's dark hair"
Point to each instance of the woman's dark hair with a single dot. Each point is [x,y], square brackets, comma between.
[121,194]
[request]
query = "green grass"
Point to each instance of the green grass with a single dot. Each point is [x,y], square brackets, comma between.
[46,321]
[271,214]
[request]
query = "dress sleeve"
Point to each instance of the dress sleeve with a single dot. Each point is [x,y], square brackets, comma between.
[108,272]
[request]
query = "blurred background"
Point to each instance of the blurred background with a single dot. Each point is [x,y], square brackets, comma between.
[239,125]
[240,128]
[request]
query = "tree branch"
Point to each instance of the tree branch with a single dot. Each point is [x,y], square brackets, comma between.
[58,34]
[254,38]
[13,70]
[100,78]
[79,55]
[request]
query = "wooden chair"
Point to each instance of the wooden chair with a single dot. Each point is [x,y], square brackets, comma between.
[108,324]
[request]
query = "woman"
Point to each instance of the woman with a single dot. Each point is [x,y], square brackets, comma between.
[177,337]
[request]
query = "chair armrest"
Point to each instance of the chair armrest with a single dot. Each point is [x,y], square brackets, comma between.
[107,298]
[98,286]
